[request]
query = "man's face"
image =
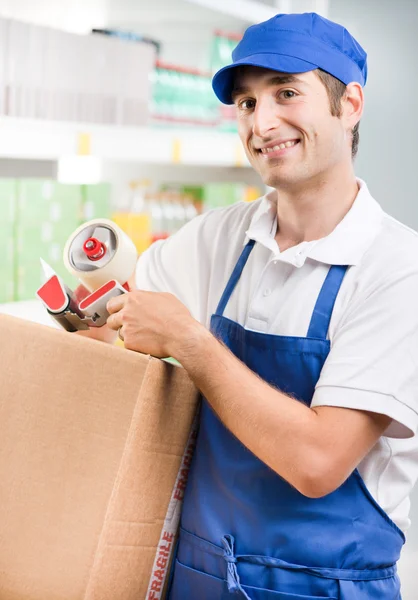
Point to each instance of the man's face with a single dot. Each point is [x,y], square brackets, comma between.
[278,108]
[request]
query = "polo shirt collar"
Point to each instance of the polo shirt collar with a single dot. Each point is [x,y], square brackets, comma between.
[345,245]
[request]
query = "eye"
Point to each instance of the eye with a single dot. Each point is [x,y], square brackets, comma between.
[288,94]
[246,104]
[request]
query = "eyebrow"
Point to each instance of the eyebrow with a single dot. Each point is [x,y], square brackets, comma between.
[276,80]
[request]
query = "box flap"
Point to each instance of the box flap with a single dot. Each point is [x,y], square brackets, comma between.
[157,440]
[66,408]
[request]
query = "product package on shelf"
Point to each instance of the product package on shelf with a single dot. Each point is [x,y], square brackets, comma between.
[7,239]
[223,44]
[150,215]
[217,195]
[47,212]
[195,194]
[183,96]
[96,201]
[134,215]
[50,74]
[7,267]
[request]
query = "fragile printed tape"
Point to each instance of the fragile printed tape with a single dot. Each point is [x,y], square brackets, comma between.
[166,545]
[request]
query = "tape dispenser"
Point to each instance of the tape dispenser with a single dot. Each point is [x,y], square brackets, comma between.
[102,257]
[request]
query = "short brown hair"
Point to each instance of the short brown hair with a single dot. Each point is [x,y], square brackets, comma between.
[336,90]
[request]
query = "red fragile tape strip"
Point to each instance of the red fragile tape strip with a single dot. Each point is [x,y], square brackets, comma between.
[89,300]
[164,554]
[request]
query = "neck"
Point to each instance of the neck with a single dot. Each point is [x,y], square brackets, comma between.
[311,213]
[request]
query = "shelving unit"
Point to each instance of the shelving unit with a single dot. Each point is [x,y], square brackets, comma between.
[48,140]
[164,153]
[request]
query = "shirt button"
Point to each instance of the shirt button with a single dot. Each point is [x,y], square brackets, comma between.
[267,292]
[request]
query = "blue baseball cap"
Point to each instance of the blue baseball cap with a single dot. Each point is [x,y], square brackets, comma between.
[295,43]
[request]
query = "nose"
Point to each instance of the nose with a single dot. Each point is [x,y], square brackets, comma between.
[266,117]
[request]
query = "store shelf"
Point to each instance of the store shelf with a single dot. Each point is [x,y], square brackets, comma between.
[50,140]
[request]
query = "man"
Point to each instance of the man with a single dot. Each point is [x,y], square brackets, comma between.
[309,369]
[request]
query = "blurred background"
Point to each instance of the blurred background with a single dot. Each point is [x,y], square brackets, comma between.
[106,110]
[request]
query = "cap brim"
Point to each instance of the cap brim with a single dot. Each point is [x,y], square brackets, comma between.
[223,80]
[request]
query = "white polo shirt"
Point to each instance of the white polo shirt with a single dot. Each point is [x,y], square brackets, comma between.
[373,362]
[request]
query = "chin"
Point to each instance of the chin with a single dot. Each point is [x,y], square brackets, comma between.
[277,181]
[284,180]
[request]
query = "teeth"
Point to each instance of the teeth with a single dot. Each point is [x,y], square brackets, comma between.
[279,147]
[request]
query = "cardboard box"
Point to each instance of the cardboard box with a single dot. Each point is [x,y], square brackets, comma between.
[94,451]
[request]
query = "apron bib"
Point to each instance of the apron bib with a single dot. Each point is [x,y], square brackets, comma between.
[245,532]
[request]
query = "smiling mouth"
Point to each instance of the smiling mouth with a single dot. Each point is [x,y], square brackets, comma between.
[279,147]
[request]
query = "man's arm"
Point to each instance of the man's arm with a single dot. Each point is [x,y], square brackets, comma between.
[315,450]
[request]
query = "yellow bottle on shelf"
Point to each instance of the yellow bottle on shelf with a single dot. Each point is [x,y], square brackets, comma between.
[136,221]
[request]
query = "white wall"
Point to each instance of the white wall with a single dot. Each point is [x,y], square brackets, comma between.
[388,156]
[388,153]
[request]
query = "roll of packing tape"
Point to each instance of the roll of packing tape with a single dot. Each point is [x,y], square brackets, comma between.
[99,251]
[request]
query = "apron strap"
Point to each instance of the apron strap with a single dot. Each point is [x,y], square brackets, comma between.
[324,306]
[232,577]
[322,313]
[232,560]
[233,280]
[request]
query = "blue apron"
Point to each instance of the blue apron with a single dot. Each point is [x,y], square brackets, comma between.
[246,532]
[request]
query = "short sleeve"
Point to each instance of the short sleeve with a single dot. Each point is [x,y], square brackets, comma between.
[373,361]
[179,266]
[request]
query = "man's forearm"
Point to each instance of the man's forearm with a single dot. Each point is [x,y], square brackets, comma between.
[278,429]
[314,449]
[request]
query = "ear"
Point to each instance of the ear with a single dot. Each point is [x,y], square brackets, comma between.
[352,105]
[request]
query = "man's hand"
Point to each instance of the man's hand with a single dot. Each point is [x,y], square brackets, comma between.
[152,323]
[102,334]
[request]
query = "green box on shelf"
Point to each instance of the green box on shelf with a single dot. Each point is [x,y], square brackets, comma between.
[32,243]
[35,239]
[61,231]
[7,264]
[217,195]
[66,204]
[7,249]
[29,277]
[8,196]
[28,266]
[42,200]
[96,201]
[51,252]
[7,287]
[34,200]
